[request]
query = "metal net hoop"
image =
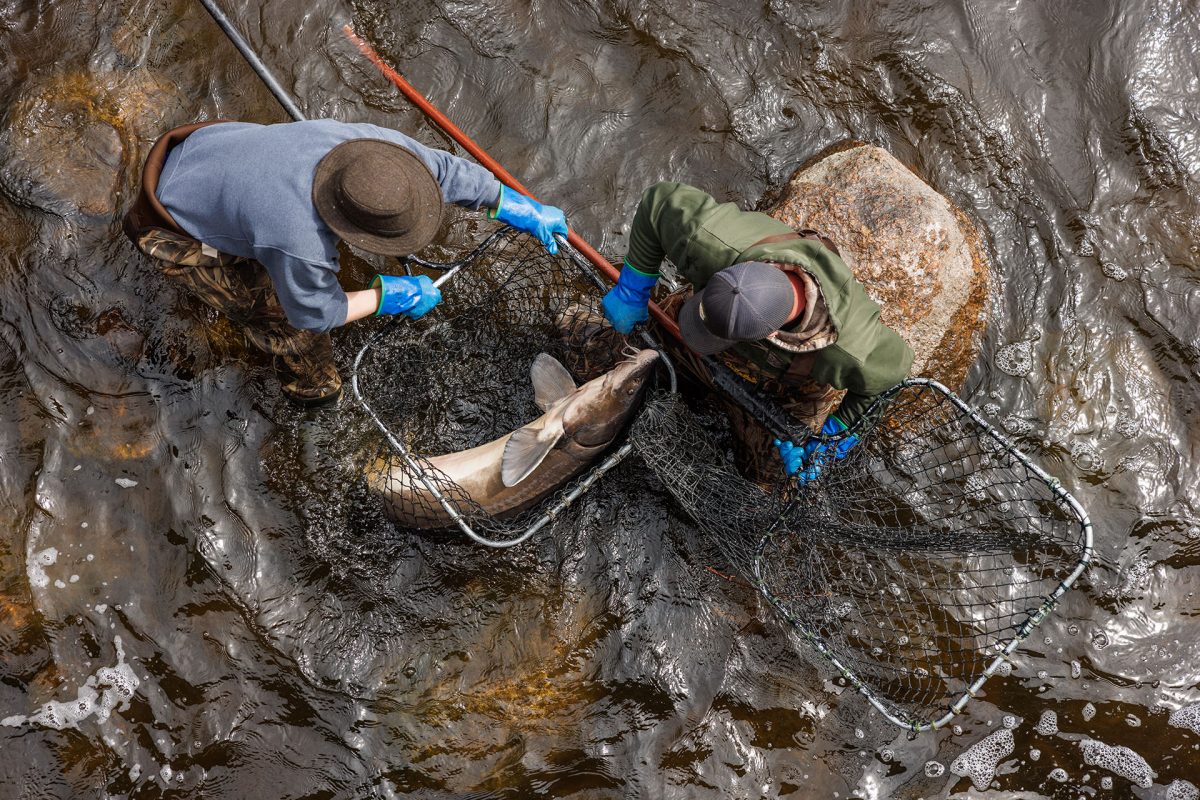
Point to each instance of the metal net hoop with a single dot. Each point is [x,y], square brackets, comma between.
[460,378]
[914,566]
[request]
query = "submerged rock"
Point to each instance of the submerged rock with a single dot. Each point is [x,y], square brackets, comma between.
[918,256]
[68,136]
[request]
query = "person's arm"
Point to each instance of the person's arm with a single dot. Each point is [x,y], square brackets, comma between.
[887,363]
[698,234]
[686,225]
[363,303]
[467,184]
[310,294]
[313,300]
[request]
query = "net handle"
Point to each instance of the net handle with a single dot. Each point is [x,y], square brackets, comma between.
[766,411]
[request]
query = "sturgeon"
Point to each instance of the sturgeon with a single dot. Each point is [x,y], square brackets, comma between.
[515,471]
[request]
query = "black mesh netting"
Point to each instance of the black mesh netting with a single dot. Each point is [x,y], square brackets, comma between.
[460,378]
[912,565]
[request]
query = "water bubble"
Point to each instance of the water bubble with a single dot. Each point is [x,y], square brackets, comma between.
[1113,270]
[1042,674]
[1089,711]
[1048,723]
[934,769]
[1187,717]
[859,733]
[1058,774]
[1016,425]
[1128,425]
[1073,630]
[1120,761]
[957,730]
[1100,640]
[886,756]
[1015,359]
[1182,790]
[1009,721]
[1034,754]
[1106,783]
[1133,721]
[1086,457]
[1076,669]
[979,761]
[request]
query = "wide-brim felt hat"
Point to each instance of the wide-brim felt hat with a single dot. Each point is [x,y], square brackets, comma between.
[742,303]
[378,196]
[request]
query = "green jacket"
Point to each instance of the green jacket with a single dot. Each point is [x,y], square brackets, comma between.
[702,237]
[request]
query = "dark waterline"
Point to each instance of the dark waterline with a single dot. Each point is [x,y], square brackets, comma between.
[283,645]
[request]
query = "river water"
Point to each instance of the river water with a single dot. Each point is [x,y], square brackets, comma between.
[173,624]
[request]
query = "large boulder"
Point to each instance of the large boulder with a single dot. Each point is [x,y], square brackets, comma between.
[918,256]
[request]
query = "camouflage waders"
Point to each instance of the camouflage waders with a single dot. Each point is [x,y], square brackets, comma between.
[239,288]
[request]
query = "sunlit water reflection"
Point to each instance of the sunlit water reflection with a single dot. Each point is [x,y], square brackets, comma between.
[285,643]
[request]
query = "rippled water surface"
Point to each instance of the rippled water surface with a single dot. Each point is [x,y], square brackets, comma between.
[184,611]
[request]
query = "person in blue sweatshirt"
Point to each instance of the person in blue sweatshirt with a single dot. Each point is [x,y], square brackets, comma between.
[248,218]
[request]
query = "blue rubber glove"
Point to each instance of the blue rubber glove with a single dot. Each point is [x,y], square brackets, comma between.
[628,303]
[411,296]
[528,215]
[806,461]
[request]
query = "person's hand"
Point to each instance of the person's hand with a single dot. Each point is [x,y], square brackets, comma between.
[528,215]
[806,461]
[628,303]
[412,296]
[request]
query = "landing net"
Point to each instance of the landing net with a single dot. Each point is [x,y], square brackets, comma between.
[460,377]
[915,565]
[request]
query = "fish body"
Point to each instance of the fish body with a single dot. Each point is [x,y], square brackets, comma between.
[509,474]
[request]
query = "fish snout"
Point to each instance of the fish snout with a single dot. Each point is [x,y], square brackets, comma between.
[639,367]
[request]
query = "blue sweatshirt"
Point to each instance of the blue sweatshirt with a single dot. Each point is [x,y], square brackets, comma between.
[246,189]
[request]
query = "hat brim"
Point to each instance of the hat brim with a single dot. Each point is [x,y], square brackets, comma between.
[696,334]
[411,175]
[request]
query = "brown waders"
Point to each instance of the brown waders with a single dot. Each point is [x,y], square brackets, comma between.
[239,288]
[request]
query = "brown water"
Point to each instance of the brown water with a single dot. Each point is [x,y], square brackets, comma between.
[259,655]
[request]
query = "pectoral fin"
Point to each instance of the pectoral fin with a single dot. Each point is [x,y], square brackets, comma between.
[551,381]
[526,449]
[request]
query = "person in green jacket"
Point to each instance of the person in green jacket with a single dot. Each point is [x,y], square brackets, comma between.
[779,307]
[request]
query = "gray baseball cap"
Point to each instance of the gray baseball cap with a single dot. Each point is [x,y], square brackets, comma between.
[743,303]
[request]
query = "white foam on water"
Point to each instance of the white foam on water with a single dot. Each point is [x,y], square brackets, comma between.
[1058,774]
[1120,761]
[934,769]
[1048,724]
[1089,711]
[1182,790]
[1034,754]
[1015,359]
[36,568]
[1186,717]
[1106,783]
[110,689]
[1076,669]
[979,761]
[126,483]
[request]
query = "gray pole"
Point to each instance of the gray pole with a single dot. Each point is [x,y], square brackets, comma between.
[256,63]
